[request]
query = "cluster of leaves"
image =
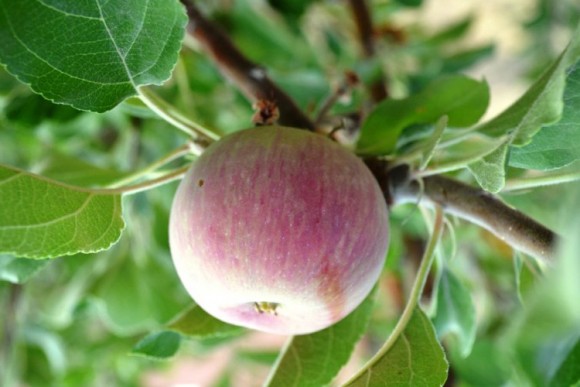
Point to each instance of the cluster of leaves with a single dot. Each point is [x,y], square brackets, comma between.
[76,317]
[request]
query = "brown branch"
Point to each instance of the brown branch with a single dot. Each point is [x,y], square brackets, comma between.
[249,77]
[364,24]
[473,204]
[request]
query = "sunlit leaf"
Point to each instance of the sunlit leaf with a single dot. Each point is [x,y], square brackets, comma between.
[90,54]
[41,218]
[315,359]
[455,312]
[415,359]
[161,345]
[462,99]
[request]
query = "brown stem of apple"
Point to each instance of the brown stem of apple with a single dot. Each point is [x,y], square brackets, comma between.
[249,77]
[473,204]
[364,24]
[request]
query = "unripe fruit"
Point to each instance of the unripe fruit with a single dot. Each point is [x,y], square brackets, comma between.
[279,230]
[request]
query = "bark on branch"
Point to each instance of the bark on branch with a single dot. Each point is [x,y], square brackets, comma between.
[249,77]
[364,24]
[472,204]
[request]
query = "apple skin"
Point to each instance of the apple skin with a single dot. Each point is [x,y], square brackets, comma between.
[279,230]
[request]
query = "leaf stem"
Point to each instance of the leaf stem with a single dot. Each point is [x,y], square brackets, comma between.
[174,117]
[175,154]
[558,177]
[146,185]
[415,294]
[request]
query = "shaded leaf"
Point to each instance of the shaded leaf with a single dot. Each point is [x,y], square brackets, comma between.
[17,270]
[90,54]
[455,312]
[139,294]
[75,171]
[161,345]
[197,323]
[415,359]
[315,359]
[42,218]
[556,145]
[462,99]
[568,374]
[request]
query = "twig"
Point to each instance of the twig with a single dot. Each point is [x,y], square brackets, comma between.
[473,204]
[364,24]
[250,78]
[10,327]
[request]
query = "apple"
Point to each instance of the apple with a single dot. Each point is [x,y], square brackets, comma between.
[278,229]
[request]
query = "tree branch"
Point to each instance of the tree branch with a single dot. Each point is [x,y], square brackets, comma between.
[249,77]
[364,24]
[473,204]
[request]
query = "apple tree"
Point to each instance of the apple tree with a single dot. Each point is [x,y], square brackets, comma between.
[178,175]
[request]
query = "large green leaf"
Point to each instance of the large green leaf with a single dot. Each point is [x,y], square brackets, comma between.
[315,359]
[556,145]
[42,218]
[90,54]
[415,359]
[462,99]
[540,105]
[455,312]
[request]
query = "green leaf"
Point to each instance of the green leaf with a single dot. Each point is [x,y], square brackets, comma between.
[490,170]
[42,218]
[462,99]
[315,359]
[17,270]
[568,373]
[455,312]
[557,145]
[432,142]
[415,359]
[75,171]
[487,365]
[197,323]
[90,54]
[139,293]
[452,32]
[160,345]
[540,105]
[461,154]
